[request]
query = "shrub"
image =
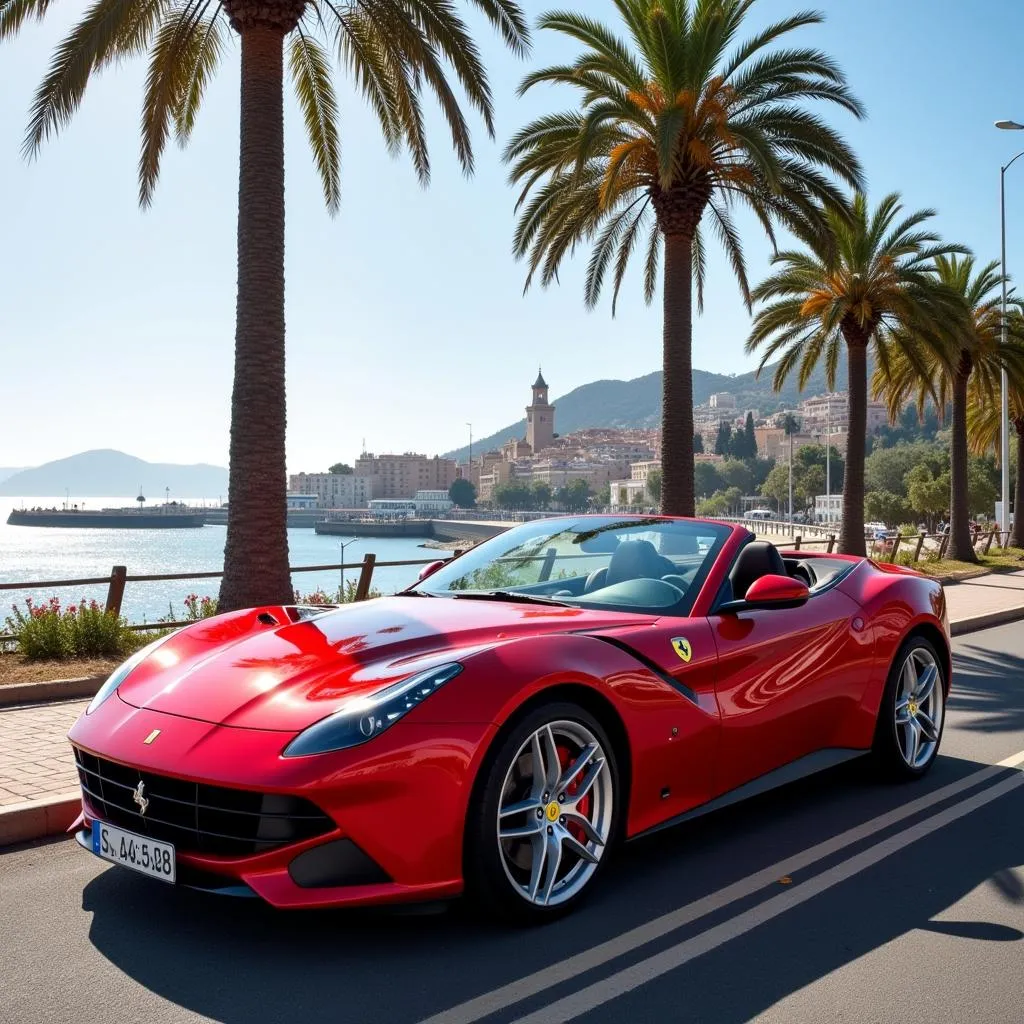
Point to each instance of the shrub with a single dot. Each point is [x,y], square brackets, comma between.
[84,630]
[321,596]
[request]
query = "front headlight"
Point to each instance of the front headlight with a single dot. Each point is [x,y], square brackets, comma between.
[365,717]
[120,674]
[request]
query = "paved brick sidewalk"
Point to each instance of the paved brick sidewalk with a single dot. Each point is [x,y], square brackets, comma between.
[36,760]
[35,757]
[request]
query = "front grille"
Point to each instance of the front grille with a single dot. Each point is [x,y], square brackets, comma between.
[196,817]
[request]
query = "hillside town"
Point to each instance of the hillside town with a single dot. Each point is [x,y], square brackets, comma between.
[618,467]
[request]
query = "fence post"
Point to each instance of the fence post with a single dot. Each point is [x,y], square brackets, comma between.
[831,543]
[991,537]
[796,542]
[365,577]
[895,547]
[943,543]
[115,591]
[920,544]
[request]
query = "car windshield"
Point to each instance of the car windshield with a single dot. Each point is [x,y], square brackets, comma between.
[647,565]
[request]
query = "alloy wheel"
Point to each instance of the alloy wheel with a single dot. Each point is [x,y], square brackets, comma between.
[555,813]
[919,708]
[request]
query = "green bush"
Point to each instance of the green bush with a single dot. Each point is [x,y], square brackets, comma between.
[85,630]
[321,596]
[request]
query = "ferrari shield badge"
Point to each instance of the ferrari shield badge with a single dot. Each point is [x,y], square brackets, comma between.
[682,647]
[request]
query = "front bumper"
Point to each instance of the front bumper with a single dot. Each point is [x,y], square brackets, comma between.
[400,801]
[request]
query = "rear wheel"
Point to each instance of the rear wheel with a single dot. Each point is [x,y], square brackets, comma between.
[545,815]
[912,712]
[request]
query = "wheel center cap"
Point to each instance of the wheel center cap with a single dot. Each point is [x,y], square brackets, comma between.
[912,708]
[553,811]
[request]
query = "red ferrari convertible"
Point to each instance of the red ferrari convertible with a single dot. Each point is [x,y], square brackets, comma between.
[501,725]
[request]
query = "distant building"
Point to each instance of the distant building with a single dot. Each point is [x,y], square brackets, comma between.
[832,411]
[540,417]
[432,502]
[722,400]
[399,477]
[828,508]
[333,490]
[302,501]
[624,494]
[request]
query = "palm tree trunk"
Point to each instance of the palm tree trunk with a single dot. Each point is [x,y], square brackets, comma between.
[1017,530]
[851,532]
[677,383]
[961,546]
[256,549]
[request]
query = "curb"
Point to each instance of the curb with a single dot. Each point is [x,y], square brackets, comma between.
[36,819]
[58,689]
[976,622]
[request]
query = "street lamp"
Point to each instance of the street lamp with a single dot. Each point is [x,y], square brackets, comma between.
[341,546]
[1004,422]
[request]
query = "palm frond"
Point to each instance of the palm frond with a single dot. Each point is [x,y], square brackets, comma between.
[311,74]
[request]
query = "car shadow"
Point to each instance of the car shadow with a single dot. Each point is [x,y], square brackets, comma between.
[240,961]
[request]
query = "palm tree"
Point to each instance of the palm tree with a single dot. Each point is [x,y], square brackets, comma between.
[984,413]
[866,281]
[970,350]
[395,50]
[678,124]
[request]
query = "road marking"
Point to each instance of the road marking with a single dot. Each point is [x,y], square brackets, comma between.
[523,988]
[629,978]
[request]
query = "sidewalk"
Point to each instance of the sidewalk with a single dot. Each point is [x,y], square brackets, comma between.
[39,783]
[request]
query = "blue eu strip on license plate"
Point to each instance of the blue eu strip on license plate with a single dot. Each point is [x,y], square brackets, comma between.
[96,837]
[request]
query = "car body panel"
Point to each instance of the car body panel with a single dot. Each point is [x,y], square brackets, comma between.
[702,706]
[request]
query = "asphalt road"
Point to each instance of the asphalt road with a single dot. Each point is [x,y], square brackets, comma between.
[836,899]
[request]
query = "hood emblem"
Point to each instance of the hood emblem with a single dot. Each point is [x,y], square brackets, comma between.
[152,736]
[138,797]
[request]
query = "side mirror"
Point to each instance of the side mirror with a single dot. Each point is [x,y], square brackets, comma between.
[769,591]
[429,570]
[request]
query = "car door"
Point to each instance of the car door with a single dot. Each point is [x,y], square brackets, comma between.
[788,679]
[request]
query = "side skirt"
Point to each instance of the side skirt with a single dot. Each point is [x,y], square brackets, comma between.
[801,768]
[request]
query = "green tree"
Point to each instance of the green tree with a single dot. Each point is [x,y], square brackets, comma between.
[341,468]
[982,488]
[707,479]
[776,486]
[463,493]
[808,483]
[968,348]
[654,486]
[713,507]
[724,439]
[395,52]
[928,494]
[698,444]
[866,281]
[886,507]
[734,473]
[886,469]
[541,495]
[574,496]
[733,500]
[677,125]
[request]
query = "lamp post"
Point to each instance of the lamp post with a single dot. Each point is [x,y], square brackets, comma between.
[1004,421]
[341,583]
[828,460]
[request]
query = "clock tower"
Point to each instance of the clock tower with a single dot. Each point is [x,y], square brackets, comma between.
[540,417]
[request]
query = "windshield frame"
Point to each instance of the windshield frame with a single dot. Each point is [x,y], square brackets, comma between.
[488,552]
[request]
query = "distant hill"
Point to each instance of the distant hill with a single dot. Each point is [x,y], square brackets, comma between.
[107,473]
[637,402]
[6,471]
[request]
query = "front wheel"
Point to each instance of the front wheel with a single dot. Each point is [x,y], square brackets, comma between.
[545,816]
[912,712]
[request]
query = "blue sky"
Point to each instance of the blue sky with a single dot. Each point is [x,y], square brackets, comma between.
[405,312]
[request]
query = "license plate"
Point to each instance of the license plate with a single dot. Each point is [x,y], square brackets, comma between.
[140,853]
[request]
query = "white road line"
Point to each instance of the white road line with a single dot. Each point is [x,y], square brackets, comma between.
[523,988]
[626,980]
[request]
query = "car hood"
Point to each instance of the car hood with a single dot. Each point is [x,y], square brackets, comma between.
[248,671]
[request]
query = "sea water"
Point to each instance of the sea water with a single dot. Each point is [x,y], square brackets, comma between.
[30,553]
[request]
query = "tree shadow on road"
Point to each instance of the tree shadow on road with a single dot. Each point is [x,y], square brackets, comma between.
[988,690]
[240,962]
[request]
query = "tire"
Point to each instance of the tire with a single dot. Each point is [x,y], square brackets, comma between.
[504,878]
[893,743]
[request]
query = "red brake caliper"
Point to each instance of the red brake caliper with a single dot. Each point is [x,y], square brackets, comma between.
[564,759]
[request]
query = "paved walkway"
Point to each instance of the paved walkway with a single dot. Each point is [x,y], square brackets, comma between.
[36,762]
[35,758]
